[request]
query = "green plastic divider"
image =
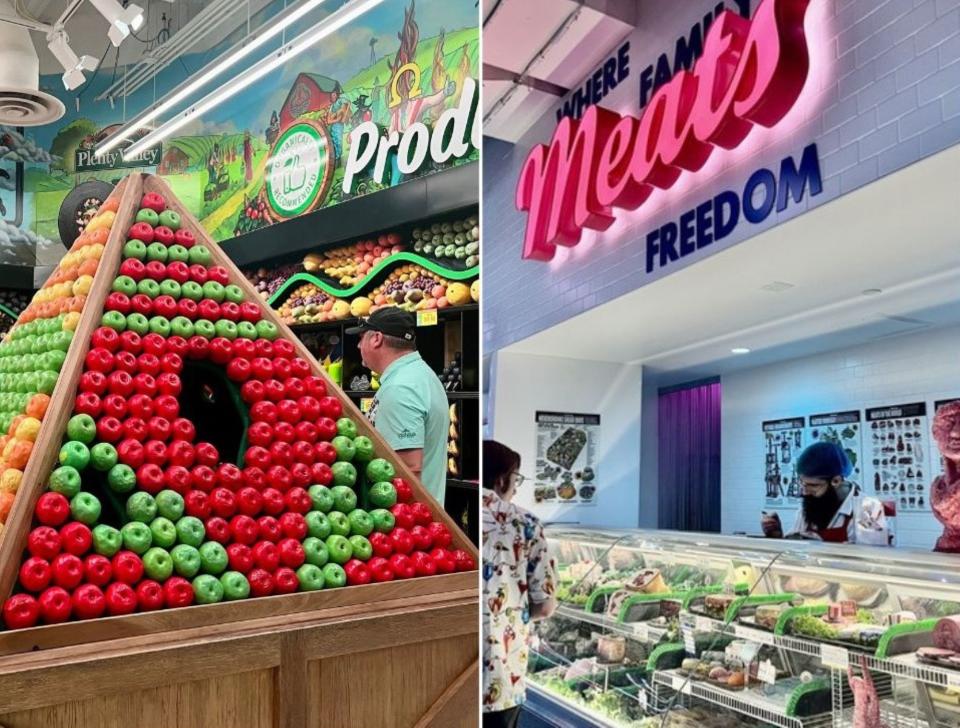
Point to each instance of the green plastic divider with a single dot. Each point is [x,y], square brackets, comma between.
[701,591]
[9,312]
[454,275]
[661,650]
[737,604]
[793,702]
[816,610]
[599,592]
[901,630]
[681,596]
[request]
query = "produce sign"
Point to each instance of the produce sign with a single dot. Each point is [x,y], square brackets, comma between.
[750,72]
[142,512]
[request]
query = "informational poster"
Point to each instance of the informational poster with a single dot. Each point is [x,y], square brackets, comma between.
[783,441]
[935,453]
[843,429]
[898,448]
[567,450]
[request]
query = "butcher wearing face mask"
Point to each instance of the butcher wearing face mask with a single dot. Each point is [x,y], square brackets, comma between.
[833,508]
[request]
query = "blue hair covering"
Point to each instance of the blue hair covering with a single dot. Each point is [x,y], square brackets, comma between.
[824,460]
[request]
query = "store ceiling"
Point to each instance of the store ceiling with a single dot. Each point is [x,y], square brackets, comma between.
[536,50]
[898,234]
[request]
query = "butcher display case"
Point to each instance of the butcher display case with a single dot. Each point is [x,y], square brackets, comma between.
[668,628]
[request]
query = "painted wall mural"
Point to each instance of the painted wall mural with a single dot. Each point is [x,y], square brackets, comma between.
[404,62]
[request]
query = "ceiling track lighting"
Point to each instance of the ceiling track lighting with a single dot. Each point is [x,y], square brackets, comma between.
[73,65]
[331,24]
[123,20]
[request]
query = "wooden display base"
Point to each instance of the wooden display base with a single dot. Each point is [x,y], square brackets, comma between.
[404,660]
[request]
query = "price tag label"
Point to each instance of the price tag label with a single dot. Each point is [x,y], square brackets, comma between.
[753,635]
[832,656]
[689,643]
[681,684]
[766,672]
[365,404]
[953,679]
[641,631]
[427,317]
[705,624]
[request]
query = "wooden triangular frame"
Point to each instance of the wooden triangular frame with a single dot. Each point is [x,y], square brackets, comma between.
[47,446]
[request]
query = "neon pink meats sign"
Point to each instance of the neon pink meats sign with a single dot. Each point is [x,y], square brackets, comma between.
[751,72]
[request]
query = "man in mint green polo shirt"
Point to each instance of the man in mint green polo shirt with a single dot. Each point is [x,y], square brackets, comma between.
[410,408]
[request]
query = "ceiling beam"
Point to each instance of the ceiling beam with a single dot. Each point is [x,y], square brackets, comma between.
[495,73]
[624,11]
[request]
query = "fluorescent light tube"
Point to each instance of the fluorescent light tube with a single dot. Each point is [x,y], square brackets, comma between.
[333,23]
[208,74]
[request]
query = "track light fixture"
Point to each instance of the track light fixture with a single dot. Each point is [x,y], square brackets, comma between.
[122,20]
[73,66]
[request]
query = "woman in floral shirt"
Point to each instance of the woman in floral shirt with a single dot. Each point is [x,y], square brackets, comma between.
[519,579]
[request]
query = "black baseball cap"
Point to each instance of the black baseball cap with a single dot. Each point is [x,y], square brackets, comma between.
[389,320]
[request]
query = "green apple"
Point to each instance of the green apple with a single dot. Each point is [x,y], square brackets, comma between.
[310,577]
[115,320]
[170,504]
[75,454]
[148,287]
[339,549]
[164,532]
[191,290]
[135,249]
[361,522]
[226,328]
[322,498]
[214,290]
[361,547]
[318,524]
[316,551]
[148,216]
[213,557]
[170,219]
[157,251]
[344,447]
[235,585]
[344,474]
[125,284]
[137,537]
[207,589]
[246,330]
[344,499]
[233,293]
[181,326]
[383,520]
[103,456]
[65,480]
[383,495]
[190,531]
[339,523]
[267,330]
[138,323]
[142,507]
[106,540]
[82,428]
[121,478]
[85,507]
[160,325]
[364,449]
[204,328]
[186,560]
[347,427]
[178,252]
[157,564]
[334,576]
[200,255]
[169,287]
[379,470]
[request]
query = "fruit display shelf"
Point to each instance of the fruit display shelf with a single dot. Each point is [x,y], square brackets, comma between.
[259,660]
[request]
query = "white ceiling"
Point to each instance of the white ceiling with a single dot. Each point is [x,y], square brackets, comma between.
[558,41]
[898,234]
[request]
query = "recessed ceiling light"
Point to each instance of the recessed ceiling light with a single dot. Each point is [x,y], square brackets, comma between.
[872,291]
[740,350]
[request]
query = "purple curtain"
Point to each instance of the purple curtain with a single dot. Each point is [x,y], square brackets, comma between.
[689,457]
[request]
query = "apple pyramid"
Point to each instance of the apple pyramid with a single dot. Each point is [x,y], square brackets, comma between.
[193,452]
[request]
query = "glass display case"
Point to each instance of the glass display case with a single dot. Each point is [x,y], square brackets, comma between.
[663,628]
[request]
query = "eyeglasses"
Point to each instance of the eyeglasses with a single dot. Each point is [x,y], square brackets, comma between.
[520,479]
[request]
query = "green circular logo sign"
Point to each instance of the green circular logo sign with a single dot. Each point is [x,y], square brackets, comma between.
[299,171]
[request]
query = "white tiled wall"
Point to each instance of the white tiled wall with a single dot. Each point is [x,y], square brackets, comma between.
[913,368]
